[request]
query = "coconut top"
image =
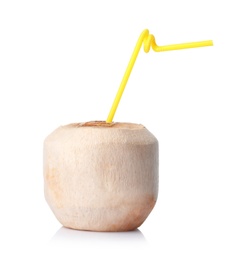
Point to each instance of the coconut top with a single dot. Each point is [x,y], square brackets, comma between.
[100,132]
[104,124]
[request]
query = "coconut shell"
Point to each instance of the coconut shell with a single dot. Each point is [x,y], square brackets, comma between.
[101,177]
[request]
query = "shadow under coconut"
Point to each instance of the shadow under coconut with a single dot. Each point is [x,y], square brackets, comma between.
[89,238]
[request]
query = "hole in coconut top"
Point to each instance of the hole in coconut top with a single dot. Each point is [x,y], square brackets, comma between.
[110,125]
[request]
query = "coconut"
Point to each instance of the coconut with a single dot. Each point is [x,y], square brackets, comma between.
[101,176]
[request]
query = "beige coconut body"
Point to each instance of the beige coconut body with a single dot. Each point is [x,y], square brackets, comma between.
[101,177]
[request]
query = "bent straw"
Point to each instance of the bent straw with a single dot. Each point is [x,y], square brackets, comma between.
[149,41]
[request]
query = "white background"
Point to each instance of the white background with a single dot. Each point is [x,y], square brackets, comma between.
[62,62]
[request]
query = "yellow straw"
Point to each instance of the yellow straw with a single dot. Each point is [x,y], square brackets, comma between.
[149,41]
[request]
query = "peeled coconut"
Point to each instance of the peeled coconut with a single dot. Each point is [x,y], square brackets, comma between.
[100,176]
